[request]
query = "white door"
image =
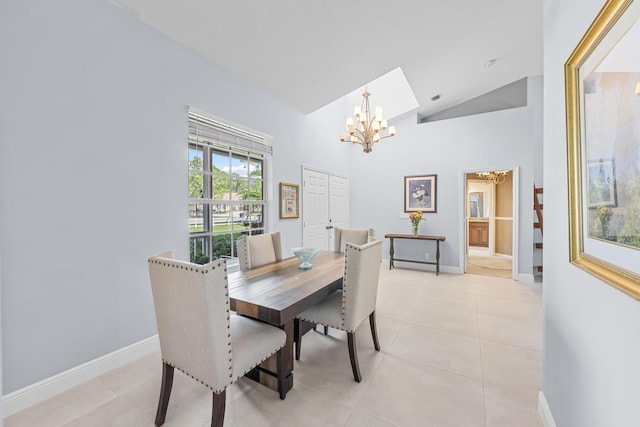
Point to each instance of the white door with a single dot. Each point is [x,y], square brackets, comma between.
[338,204]
[325,204]
[315,209]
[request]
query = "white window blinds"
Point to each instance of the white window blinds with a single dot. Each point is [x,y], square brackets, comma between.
[208,131]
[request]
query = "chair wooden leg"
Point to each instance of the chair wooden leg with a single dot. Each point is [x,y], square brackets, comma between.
[165,392]
[217,413]
[353,355]
[374,331]
[297,337]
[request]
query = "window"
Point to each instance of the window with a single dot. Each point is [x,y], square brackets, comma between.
[226,186]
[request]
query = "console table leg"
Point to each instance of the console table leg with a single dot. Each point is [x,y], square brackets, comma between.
[436,239]
[437,257]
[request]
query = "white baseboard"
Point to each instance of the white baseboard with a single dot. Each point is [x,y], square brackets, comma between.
[544,411]
[35,393]
[527,279]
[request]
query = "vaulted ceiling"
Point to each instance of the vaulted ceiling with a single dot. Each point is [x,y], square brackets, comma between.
[310,53]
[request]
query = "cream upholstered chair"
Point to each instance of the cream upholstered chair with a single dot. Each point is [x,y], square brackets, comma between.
[357,236]
[259,249]
[347,310]
[198,334]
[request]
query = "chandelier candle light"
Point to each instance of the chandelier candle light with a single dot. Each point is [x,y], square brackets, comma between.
[415,218]
[365,130]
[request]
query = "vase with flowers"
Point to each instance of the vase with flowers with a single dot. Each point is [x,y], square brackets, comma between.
[603,215]
[415,218]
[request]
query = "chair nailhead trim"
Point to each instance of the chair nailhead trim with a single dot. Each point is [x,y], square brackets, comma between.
[195,268]
[189,268]
[272,353]
[195,378]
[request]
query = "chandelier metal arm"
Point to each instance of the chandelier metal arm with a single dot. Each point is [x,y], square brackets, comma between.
[365,130]
[362,141]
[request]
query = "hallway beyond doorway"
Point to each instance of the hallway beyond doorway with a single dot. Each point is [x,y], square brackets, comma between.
[480,262]
[490,224]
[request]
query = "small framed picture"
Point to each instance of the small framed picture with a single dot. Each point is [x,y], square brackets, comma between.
[420,193]
[601,183]
[289,200]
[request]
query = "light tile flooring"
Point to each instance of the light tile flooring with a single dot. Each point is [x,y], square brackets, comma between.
[457,350]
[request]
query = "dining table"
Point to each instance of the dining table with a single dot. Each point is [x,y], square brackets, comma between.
[276,293]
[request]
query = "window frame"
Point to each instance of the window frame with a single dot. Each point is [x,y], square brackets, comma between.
[213,140]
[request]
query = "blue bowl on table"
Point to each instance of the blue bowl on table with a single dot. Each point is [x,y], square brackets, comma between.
[305,255]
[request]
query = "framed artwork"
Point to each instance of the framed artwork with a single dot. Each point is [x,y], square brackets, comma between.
[289,200]
[420,193]
[602,98]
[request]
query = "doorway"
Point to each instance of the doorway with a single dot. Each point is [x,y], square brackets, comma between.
[489,225]
[325,205]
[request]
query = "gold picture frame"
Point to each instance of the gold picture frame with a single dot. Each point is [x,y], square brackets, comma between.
[289,200]
[602,94]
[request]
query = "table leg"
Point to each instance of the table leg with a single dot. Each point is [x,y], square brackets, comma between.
[286,361]
[437,257]
[390,253]
[266,372]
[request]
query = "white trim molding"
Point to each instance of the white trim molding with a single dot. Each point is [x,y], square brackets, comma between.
[49,387]
[525,278]
[544,411]
[450,269]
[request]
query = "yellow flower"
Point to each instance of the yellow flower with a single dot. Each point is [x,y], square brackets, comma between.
[415,217]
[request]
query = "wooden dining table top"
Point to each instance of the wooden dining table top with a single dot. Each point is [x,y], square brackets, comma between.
[275,293]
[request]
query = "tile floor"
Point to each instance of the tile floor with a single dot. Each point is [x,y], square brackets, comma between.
[457,350]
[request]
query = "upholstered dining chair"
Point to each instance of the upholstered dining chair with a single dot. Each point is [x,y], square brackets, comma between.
[259,249]
[357,236]
[200,337]
[347,310]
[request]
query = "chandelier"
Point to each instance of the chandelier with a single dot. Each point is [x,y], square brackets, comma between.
[364,129]
[495,177]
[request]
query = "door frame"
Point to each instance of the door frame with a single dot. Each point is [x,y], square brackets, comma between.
[515,223]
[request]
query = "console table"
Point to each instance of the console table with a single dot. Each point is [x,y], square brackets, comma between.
[436,239]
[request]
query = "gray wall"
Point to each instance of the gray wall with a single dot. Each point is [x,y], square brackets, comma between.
[500,140]
[93,174]
[1,405]
[535,100]
[591,349]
